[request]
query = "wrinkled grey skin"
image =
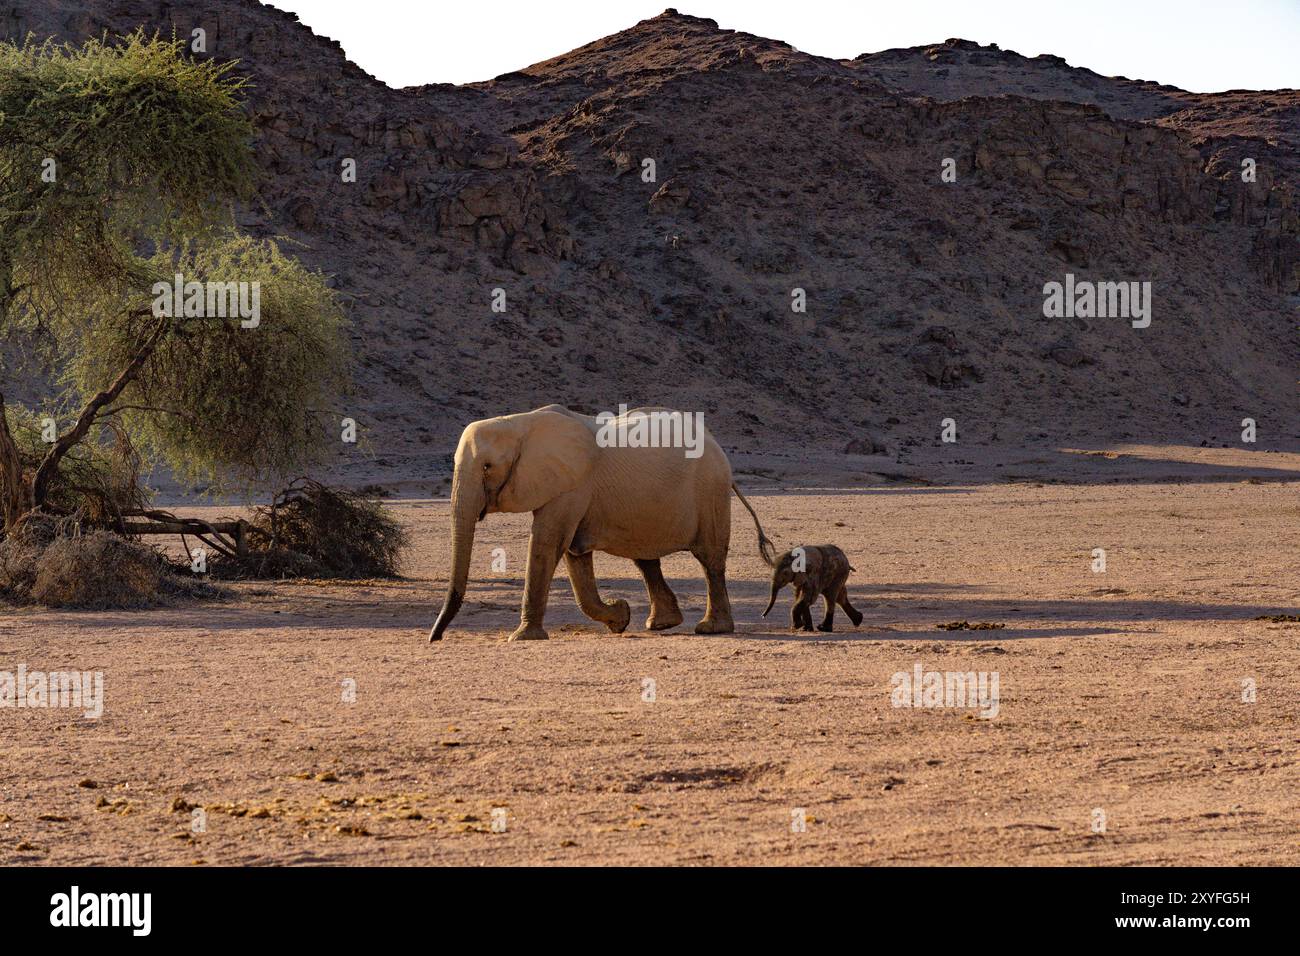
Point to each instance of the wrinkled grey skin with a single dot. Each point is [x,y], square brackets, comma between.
[825,570]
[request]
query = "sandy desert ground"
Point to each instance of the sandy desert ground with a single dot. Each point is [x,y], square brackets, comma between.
[1119,691]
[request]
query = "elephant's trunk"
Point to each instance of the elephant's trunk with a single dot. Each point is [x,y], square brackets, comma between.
[776,587]
[467,501]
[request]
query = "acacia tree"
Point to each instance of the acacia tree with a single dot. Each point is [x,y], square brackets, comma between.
[121,165]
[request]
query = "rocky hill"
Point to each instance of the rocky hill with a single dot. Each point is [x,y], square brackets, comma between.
[775,171]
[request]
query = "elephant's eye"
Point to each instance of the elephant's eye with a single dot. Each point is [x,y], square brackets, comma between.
[487,466]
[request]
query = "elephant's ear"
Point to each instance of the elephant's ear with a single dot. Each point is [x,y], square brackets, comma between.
[556,455]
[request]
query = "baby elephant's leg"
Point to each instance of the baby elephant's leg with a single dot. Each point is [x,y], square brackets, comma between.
[828,622]
[800,615]
[843,600]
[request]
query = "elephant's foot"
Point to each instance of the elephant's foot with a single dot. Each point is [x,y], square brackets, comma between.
[855,617]
[529,632]
[662,618]
[622,616]
[825,627]
[715,625]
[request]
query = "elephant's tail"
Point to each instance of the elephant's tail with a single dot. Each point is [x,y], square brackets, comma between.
[765,547]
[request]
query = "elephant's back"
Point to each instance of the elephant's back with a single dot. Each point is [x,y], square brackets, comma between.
[671,470]
[659,437]
[653,500]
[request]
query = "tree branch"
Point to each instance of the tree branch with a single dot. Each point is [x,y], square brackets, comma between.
[72,438]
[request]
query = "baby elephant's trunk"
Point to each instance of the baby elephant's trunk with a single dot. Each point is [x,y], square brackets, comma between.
[776,587]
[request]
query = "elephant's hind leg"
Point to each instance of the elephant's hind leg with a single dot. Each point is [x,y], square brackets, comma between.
[664,611]
[582,575]
[717,616]
[843,600]
[712,542]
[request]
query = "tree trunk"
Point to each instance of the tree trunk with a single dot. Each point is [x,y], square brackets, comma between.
[15,487]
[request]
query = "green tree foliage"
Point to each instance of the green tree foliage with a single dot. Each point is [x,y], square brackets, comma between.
[120,167]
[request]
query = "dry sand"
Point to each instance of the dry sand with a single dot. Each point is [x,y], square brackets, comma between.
[1119,691]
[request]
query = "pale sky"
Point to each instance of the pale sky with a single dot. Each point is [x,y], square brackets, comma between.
[1198,45]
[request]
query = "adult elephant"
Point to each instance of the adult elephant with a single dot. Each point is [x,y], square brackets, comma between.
[588,495]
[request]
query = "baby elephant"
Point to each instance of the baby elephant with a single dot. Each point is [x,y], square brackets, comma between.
[814,570]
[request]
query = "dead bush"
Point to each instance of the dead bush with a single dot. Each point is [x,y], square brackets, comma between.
[97,570]
[311,530]
[53,563]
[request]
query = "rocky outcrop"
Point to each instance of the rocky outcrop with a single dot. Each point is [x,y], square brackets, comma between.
[1218,131]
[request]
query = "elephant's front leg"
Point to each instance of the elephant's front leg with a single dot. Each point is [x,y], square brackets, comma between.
[582,575]
[828,621]
[801,613]
[553,527]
